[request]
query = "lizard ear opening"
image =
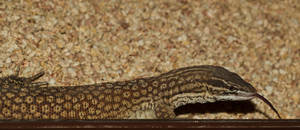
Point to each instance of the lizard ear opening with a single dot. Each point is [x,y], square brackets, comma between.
[267,102]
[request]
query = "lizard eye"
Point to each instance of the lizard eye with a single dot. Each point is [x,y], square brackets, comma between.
[231,88]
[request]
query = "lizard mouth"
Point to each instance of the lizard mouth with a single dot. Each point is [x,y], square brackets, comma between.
[245,95]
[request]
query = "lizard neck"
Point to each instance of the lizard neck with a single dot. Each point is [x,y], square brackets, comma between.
[189,93]
[183,86]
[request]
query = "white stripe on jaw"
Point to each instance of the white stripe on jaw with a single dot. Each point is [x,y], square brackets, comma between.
[240,97]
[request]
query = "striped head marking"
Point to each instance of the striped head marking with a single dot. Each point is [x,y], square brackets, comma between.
[236,88]
[226,85]
[219,84]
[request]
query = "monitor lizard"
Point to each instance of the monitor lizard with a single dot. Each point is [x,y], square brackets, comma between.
[154,97]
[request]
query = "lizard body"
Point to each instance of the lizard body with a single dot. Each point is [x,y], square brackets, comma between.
[144,98]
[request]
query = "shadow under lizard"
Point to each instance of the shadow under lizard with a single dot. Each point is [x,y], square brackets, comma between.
[143,98]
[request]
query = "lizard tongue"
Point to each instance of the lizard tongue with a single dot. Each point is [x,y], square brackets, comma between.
[267,102]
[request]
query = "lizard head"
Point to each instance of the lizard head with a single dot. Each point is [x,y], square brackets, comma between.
[226,85]
[207,83]
[223,85]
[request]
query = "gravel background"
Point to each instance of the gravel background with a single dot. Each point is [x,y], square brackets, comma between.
[84,42]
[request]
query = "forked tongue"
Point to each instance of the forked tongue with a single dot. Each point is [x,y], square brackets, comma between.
[267,102]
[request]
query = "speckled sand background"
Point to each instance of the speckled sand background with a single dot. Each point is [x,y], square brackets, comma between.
[84,42]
